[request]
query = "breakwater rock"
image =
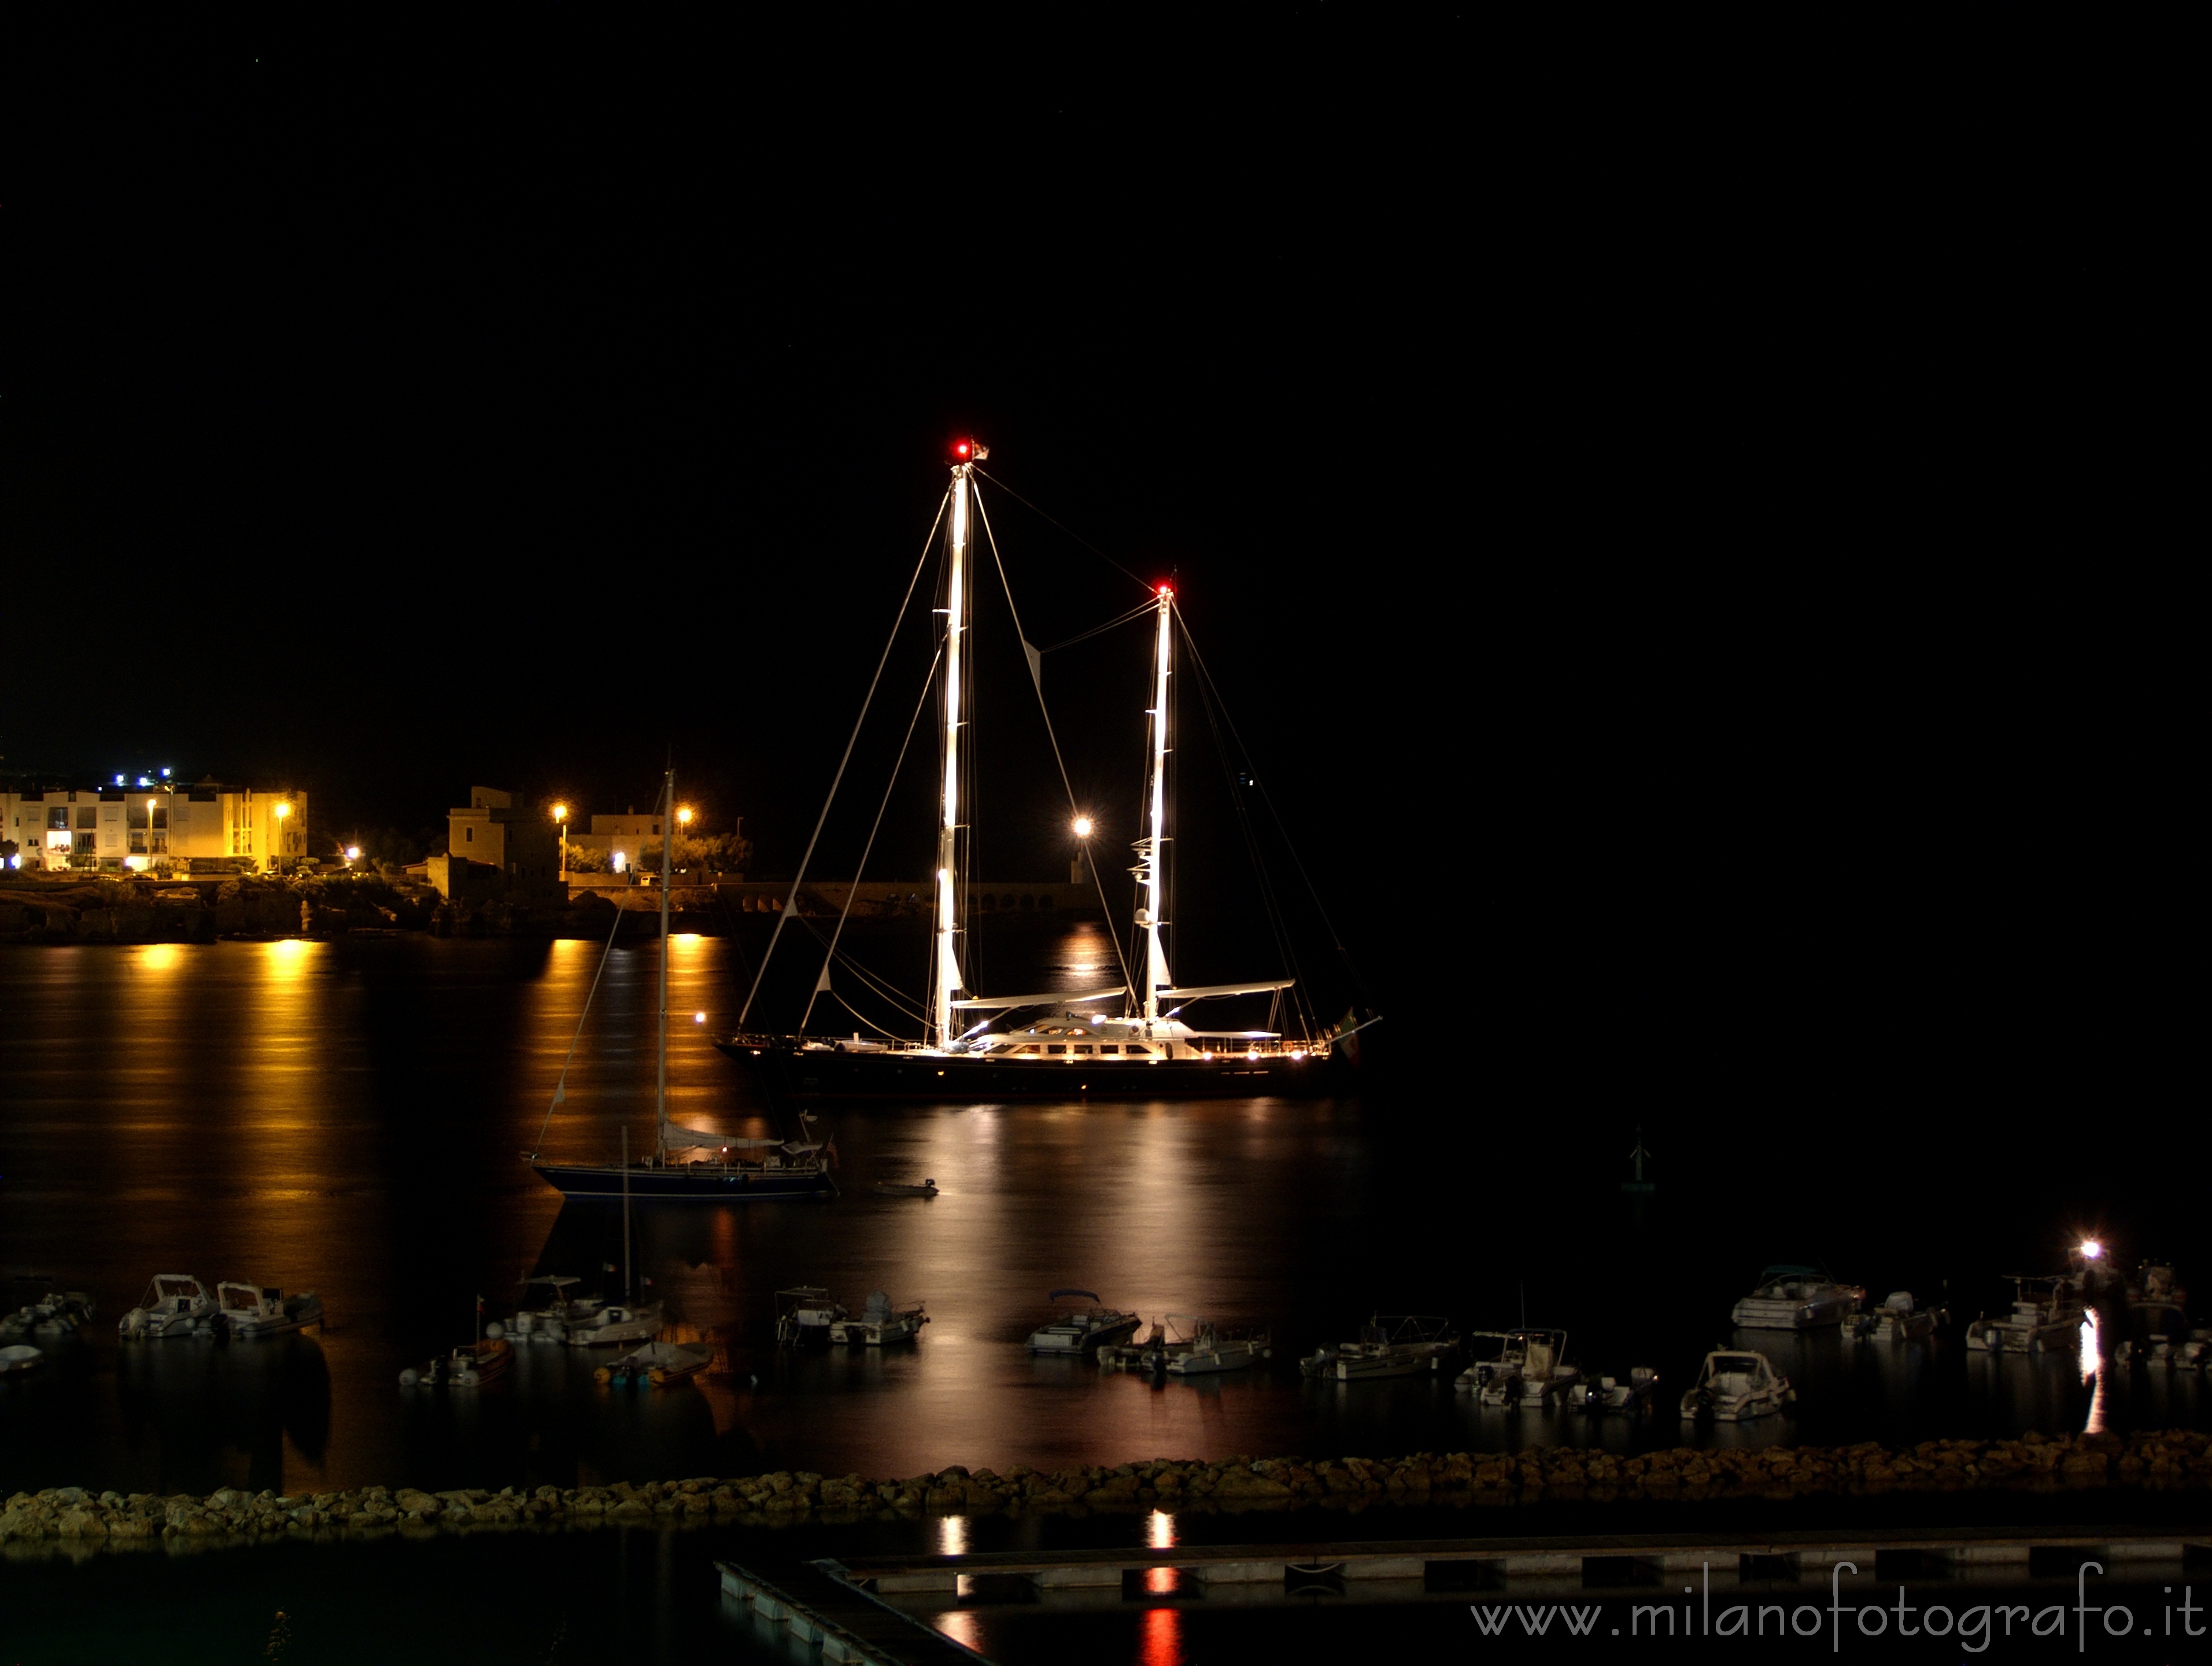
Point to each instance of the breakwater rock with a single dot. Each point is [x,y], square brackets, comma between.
[75,1519]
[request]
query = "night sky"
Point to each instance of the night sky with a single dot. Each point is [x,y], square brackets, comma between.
[1636,545]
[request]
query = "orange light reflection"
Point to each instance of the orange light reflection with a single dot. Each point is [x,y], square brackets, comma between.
[1163,1643]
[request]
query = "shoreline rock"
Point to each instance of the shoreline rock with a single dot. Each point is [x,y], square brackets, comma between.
[72,1520]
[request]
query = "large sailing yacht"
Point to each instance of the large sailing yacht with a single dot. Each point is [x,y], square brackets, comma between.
[1120,1042]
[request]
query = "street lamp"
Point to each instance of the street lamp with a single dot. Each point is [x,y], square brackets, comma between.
[1081,826]
[561,815]
[283,809]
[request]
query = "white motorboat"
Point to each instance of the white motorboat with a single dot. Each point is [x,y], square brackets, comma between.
[906,1189]
[175,1304]
[1610,1393]
[1495,1378]
[1079,1329]
[1796,1298]
[1218,1348]
[1737,1385]
[805,1314]
[18,1359]
[2046,1314]
[1896,1320]
[659,1364]
[249,1309]
[1390,1345]
[879,1322]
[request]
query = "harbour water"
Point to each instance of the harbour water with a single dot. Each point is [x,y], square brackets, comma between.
[349,1117]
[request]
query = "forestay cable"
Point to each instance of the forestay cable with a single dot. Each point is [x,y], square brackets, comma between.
[851,741]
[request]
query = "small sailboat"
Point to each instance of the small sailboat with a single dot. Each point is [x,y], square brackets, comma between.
[250,1310]
[1079,1329]
[657,1363]
[689,1165]
[174,1304]
[879,1323]
[482,1361]
[618,1324]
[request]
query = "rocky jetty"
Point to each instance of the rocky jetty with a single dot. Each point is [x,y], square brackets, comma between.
[73,1520]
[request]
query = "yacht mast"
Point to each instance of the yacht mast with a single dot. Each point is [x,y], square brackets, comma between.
[1151,852]
[966,455]
[667,874]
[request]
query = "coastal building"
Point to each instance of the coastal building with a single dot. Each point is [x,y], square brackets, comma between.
[518,841]
[153,824]
[619,838]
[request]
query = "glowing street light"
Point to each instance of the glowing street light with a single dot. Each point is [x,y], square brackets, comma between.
[283,809]
[561,815]
[1083,826]
[683,815]
[352,852]
[2091,1250]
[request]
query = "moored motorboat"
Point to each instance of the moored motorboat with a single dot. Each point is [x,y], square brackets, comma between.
[1896,1320]
[805,1314]
[1218,1349]
[249,1309]
[545,1309]
[616,1323]
[2046,1314]
[175,1304]
[1494,1376]
[1170,1338]
[1078,1330]
[1609,1394]
[468,1367]
[1389,1345]
[906,1189]
[55,1313]
[879,1322]
[1735,1385]
[657,1363]
[1796,1298]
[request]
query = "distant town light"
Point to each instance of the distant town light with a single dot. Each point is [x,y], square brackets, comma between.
[698,1018]
[118,781]
[284,808]
[165,775]
[352,852]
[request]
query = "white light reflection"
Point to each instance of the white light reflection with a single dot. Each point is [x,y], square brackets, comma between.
[952,1536]
[1159,1533]
[2091,1363]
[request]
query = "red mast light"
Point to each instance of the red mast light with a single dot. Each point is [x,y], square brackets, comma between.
[966,450]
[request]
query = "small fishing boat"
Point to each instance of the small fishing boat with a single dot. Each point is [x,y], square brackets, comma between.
[805,1314]
[1610,1393]
[1796,1298]
[657,1363]
[1495,1378]
[1737,1385]
[906,1189]
[1528,1369]
[879,1323]
[175,1304]
[1218,1348]
[1896,1320]
[1078,1330]
[2046,1313]
[1169,1339]
[18,1359]
[251,1310]
[1390,1345]
[468,1367]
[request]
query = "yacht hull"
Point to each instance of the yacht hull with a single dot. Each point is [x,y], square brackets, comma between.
[695,1182]
[790,1074]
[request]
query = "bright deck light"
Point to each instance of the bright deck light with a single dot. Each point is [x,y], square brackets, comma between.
[2091,1250]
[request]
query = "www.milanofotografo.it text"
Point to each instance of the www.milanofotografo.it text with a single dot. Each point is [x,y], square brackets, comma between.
[1847,1617]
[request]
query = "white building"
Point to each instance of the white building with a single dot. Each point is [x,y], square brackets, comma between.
[152,824]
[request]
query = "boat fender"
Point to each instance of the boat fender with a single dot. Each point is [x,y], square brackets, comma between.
[410,1378]
[603,1375]
[494,1330]
[467,1379]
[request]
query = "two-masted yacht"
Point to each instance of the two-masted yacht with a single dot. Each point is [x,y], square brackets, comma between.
[1141,1038]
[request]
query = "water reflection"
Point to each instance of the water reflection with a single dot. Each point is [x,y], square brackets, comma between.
[198,1406]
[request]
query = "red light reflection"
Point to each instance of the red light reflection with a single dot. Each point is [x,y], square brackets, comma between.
[1163,1643]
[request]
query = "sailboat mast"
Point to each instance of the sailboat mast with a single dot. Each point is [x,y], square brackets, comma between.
[667,875]
[1152,848]
[948,842]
